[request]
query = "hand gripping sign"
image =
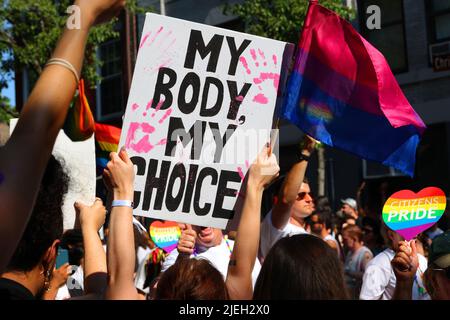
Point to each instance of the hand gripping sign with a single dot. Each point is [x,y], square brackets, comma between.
[409,213]
[198,93]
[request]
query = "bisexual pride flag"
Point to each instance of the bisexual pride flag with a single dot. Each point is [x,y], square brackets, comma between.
[343,93]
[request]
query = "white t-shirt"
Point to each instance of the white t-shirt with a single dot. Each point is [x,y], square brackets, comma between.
[141,275]
[379,278]
[218,256]
[270,234]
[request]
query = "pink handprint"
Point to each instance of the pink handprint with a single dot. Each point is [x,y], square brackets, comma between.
[262,73]
[139,133]
[160,39]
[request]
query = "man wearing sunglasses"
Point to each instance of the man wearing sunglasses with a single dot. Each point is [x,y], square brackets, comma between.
[294,203]
[437,275]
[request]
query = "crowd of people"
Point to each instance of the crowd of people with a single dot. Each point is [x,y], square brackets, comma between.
[300,249]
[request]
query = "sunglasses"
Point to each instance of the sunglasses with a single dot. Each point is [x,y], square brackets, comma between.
[302,195]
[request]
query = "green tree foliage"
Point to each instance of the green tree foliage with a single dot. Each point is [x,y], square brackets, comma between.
[6,111]
[280,19]
[29,31]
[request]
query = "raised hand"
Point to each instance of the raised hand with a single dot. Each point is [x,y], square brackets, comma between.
[405,262]
[119,175]
[186,243]
[307,145]
[264,170]
[99,11]
[92,217]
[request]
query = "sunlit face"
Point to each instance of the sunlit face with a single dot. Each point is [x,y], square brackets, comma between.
[303,206]
[207,236]
[349,242]
[316,225]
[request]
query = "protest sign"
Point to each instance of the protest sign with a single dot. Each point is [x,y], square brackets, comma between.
[200,109]
[409,213]
[78,161]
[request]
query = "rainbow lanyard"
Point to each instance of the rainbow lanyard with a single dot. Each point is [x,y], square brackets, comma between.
[226,242]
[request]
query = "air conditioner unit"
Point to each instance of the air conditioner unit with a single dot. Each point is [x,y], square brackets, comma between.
[374,170]
[440,56]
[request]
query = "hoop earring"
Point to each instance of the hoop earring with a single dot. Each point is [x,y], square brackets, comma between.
[47,277]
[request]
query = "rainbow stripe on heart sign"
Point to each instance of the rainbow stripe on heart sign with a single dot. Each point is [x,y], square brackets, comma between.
[409,213]
[165,235]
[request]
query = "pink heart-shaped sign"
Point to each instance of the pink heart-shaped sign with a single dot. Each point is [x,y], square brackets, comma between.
[409,213]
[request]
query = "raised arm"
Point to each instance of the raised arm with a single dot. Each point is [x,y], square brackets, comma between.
[25,155]
[291,185]
[405,264]
[95,272]
[119,175]
[242,261]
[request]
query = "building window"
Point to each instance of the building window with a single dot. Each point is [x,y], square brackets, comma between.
[438,20]
[110,97]
[390,40]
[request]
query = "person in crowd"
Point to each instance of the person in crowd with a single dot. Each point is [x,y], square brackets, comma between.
[294,204]
[437,275]
[25,155]
[205,243]
[143,252]
[191,279]
[371,235]
[121,254]
[356,259]
[320,226]
[94,270]
[379,279]
[433,232]
[314,270]
[350,213]
[29,272]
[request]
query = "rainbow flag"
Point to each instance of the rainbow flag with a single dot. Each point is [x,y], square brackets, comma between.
[107,140]
[343,93]
[79,123]
[107,137]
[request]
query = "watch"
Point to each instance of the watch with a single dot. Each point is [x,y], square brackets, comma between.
[303,157]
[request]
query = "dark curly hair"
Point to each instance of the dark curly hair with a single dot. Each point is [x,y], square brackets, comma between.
[191,279]
[46,221]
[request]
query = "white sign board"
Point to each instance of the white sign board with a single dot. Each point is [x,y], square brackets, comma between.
[78,161]
[200,110]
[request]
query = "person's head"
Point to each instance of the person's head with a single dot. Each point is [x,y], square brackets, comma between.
[38,246]
[319,222]
[72,240]
[371,231]
[303,206]
[191,279]
[301,267]
[349,208]
[352,236]
[437,276]
[391,238]
[208,237]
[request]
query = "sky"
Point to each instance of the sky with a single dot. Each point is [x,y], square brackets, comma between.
[10,92]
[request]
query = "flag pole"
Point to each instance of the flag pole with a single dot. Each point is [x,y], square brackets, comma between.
[277,122]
